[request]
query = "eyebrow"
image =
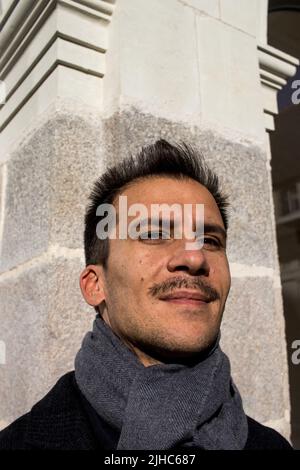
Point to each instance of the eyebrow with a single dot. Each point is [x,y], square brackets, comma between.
[215,228]
[208,227]
[156,221]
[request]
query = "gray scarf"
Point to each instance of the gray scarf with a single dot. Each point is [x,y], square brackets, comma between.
[161,406]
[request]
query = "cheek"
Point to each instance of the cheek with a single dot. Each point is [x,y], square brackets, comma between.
[148,264]
[127,278]
[134,268]
[220,274]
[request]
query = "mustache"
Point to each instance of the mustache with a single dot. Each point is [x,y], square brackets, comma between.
[178,282]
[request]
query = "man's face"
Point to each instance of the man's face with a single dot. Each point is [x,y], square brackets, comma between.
[162,300]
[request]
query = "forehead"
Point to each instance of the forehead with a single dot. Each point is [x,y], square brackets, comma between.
[161,189]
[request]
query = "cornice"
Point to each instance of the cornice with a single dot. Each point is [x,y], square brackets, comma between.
[275,68]
[39,35]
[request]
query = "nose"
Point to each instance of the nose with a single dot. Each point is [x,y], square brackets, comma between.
[193,262]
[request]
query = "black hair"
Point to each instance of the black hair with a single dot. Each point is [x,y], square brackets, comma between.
[179,161]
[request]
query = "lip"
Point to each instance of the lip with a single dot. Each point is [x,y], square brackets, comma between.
[189,297]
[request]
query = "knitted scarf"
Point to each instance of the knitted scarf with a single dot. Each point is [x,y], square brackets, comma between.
[162,406]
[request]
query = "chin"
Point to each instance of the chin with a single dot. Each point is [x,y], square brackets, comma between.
[194,341]
[192,337]
[181,350]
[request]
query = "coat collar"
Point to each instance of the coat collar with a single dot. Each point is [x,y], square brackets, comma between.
[58,420]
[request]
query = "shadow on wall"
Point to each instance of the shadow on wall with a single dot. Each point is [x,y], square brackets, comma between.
[284,34]
[286,185]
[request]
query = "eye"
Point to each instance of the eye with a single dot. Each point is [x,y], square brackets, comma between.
[211,242]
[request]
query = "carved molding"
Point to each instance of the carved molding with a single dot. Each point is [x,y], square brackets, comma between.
[275,68]
[38,36]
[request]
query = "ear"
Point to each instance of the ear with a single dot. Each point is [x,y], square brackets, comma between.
[92,284]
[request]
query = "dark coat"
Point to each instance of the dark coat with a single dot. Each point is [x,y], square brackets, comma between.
[64,419]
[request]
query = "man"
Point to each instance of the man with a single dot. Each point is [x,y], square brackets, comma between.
[151,374]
